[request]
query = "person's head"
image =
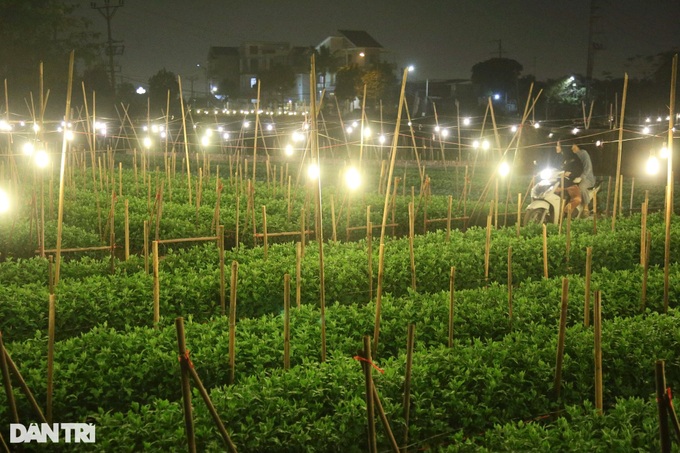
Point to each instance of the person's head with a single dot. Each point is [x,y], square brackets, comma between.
[575,149]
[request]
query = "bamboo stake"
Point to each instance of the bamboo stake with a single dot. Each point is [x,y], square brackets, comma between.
[383,419]
[643,228]
[568,238]
[64,147]
[448,220]
[7,382]
[146,246]
[407,382]
[545,252]
[620,149]
[264,230]
[186,141]
[645,271]
[487,249]
[156,286]
[127,231]
[411,232]
[22,384]
[586,306]
[560,338]
[186,384]
[597,315]
[452,295]
[290,207]
[370,411]
[286,321]
[298,274]
[257,122]
[120,179]
[369,244]
[50,354]
[220,242]
[519,212]
[664,432]
[632,189]
[510,283]
[669,189]
[381,257]
[232,320]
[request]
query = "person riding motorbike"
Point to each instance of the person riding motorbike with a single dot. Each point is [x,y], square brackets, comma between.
[573,170]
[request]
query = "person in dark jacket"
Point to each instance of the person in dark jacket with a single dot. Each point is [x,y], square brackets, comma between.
[573,169]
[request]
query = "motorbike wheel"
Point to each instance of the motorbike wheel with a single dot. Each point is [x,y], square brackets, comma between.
[539,215]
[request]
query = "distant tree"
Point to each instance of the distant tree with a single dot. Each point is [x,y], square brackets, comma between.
[347,79]
[228,88]
[160,84]
[564,96]
[35,31]
[277,81]
[497,75]
[326,62]
[379,83]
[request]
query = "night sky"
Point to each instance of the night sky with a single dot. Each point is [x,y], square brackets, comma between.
[443,39]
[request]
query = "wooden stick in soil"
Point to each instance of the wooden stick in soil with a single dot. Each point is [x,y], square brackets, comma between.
[510,283]
[264,230]
[220,244]
[617,188]
[662,406]
[519,212]
[186,384]
[286,321]
[586,304]
[62,168]
[370,412]
[411,232]
[369,245]
[335,236]
[643,228]
[232,320]
[645,272]
[186,141]
[669,189]
[7,382]
[557,385]
[156,286]
[298,274]
[407,382]
[381,256]
[384,420]
[24,387]
[50,354]
[452,295]
[448,220]
[302,232]
[487,249]
[595,213]
[146,246]
[127,231]
[545,252]
[568,238]
[597,325]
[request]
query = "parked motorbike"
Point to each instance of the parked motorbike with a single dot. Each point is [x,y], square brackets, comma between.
[546,202]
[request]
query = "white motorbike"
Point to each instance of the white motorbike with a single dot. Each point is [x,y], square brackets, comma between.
[546,202]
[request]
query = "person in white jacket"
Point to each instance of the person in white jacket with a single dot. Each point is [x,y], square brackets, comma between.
[587,178]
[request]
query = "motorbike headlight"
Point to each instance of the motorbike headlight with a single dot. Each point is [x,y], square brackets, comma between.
[546,174]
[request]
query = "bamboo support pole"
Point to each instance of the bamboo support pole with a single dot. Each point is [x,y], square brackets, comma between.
[448,220]
[560,338]
[452,299]
[146,246]
[369,245]
[597,325]
[662,406]
[286,321]
[302,232]
[7,383]
[645,272]
[186,141]
[22,384]
[545,252]
[232,320]
[617,187]
[410,340]
[669,188]
[519,213]
[487,249]
[411,232]
[586,304]
[384,420]
[381,257]
[643,228]
[333,225]
[220,244]
[264,231]
[370,410]
[51,316]
[632,190]
[298,274]
[186,385]
[127,231]
[156,286]
[510,283]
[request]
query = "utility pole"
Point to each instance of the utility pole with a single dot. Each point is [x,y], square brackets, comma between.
[592,45]
[500,47]
[113,47]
